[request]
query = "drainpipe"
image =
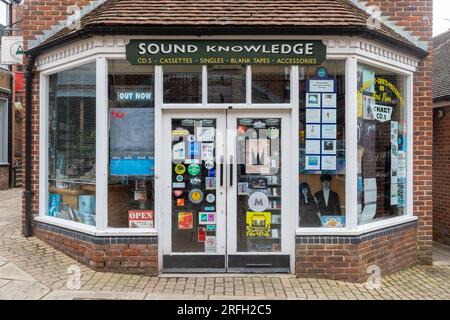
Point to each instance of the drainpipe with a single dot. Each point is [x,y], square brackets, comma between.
[28,107]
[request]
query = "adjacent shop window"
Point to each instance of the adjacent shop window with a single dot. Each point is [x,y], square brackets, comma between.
[322,145]
[271,84]
[226,84]
[182,84]
[131,196]
[72,116]
[382,144]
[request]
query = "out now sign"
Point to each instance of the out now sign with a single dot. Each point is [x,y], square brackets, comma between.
[12,50]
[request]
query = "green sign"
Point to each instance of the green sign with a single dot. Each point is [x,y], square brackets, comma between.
[225,52]
[194,169]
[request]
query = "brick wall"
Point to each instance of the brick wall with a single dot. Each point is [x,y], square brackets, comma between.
[4,176]
[348,258]
[417,16]
[441,177]
[135,255]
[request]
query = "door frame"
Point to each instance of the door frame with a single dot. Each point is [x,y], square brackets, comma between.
[226,221]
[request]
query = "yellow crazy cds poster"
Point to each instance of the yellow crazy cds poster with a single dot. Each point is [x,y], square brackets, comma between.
[258,224]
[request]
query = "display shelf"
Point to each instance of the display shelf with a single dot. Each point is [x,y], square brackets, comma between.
[75,181]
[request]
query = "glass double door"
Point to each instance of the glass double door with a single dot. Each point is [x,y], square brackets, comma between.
[225,201]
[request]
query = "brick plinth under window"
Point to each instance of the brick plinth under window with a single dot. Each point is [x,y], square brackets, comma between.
[4,176]
[136,255]
[349,258]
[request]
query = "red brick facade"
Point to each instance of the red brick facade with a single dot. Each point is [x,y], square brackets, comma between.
[441,175]
[4,176]
[337,261]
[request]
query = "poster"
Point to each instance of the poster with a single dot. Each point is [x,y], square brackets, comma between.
[401,178]
[185,220]
[205,134]
[178,151]
[329,147]
[313,115]
[329,116]
[329,163]
[394,163]
[312,163]
[322,86]
[258,224]
[140,219]
[368,213]
[369,80]
[313,131]
[329,131]
[368,103]
[312,146]
[329,100]
[313,100]
[257,156]
[370,190]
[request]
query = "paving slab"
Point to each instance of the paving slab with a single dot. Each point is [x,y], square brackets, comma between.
[23,290]
[168,296]
[3,261]
[93,295]
[12,272]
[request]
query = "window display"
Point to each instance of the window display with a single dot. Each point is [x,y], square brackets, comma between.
[72,116]
[322,145]
[131,146]
[382,146]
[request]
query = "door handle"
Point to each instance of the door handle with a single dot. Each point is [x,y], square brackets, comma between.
[231,171]
[221,171]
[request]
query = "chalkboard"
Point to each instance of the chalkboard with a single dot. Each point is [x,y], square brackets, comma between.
[132,132]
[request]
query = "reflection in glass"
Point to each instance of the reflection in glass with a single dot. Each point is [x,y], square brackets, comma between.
[226,84]
[271,84]
[258,159]
[182,84]
[193,196]
[72,116]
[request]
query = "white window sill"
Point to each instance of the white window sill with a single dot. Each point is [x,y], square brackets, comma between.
[365,228]
[91,230]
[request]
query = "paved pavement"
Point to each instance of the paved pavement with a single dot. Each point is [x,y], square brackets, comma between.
[30,269]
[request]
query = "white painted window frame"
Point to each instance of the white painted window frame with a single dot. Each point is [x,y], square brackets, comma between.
[100,56]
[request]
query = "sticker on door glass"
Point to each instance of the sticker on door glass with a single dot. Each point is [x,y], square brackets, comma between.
[210,198]
[180,169]
[210,244]
[194,169]
[196,196]
[207,218]
[185,221]
[205,134]
[258,202]
[258,224]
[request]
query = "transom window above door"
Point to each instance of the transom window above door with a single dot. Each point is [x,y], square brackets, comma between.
[226,84]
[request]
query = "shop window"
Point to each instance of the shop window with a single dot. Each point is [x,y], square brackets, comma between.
[226,84]
[322,145]
[131,197]
[382,144]
[182,84]
[72,116]
[271,84]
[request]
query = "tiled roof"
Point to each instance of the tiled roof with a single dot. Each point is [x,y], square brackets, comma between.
[441,66]
[334,15]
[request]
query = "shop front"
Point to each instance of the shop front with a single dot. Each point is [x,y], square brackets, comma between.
[228,153]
